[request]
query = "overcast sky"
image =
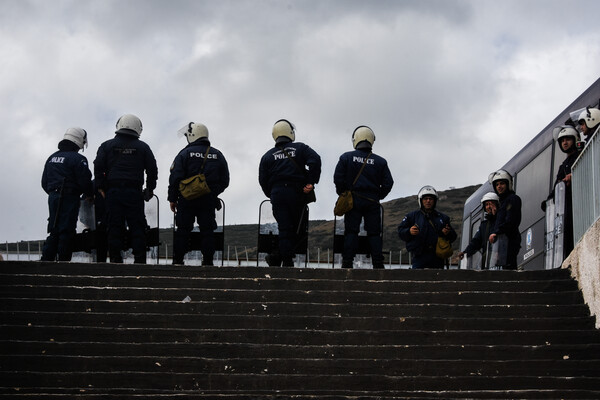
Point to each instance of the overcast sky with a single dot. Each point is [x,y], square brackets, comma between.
[452,89]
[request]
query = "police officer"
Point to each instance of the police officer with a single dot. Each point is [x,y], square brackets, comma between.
[373,184]
[508,217]
[420,230]
[589,120]
[286,173]
[567,138]
[65,178]
[119,171]
[197,157]
[490,202]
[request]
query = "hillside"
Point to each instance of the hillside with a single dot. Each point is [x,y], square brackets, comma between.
[242,238]
[451,202]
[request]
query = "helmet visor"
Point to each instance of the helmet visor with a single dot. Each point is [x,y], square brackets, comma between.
[187,128]
[574,115]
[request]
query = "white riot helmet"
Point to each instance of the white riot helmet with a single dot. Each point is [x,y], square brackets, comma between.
[284,129]
[499,176]
[566,131]
[427,191]
[591,118]
[129,124]
[490,196]
[193,132]
[361,134]
[77,136]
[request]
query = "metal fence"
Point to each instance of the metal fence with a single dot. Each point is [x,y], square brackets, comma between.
[586,188]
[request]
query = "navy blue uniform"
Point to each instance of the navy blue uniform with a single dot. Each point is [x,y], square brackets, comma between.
[422,246]
[282,181]
[481,239]
[373,184]
[563,171]
[65,178]
[507,223]
[119,171]
[189,163]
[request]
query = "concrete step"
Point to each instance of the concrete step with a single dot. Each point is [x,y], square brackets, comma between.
[282,336]
[260,321]
[310,296]
[388,352]
[320,366]
[291,308]
[177,281]
[137,270]
[293,383]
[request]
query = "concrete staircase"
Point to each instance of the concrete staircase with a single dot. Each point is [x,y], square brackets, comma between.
[122,331]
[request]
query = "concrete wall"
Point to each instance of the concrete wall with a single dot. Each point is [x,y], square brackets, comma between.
[584,262]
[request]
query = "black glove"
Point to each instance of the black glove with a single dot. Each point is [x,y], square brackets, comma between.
[148,194]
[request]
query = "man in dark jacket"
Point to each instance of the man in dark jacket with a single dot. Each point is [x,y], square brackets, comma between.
[567,138]
[369,179]
[508,218]
[287,173]
[197,157]
[119,172]
[65,178]
[420,230]
[490,202]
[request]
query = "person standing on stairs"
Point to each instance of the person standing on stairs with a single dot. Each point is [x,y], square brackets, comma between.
[421,229]
[287,175]
[119,172]
[65,178]
[508,219]
[197,157]
[490,202]
[369,179]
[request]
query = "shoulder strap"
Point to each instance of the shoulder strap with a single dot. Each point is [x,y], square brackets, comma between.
[204,161]
[361,169]
[294,161]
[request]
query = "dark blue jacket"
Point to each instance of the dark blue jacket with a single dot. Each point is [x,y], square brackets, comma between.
[123,160]
[68,169]
[189,163]
[375,180]
[481,238]
[426,240]
[508,220]
[277,169]
[508,217]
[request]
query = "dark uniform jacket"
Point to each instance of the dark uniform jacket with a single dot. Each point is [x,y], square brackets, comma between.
[480,240]
[69,170]
[426,240]
[277,169]
[508,220]
[508,217]
[121,162]
[375,180]
[189,163]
